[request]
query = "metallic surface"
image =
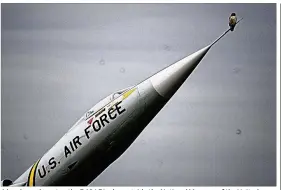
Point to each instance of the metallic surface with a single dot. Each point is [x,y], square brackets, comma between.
[109,128]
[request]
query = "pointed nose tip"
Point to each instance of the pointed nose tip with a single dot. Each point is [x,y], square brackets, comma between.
[168,81]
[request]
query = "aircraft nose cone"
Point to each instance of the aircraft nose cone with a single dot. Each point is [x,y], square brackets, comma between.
[168,81]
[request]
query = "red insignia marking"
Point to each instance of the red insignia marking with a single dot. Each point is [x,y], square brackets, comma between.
[90,121]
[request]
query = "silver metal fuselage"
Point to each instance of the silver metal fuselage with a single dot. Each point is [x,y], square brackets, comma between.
[99,138]
[108,129]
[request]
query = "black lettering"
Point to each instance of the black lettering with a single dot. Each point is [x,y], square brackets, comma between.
[76,141]
[118,108]
[98,125]
[87,132]
[71,145]
[66,151]
[52,163]
[111,111]
[103,119]
[44,172]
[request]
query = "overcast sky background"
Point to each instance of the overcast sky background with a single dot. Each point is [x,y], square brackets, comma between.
[58,60]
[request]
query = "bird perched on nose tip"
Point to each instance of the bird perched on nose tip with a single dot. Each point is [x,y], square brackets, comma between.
[232,21]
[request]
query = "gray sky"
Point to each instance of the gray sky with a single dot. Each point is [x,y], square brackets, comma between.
[58,60]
